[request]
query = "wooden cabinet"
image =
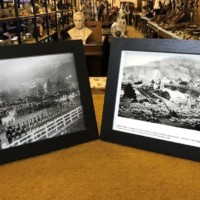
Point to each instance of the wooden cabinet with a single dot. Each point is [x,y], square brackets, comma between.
[97,57]
[96,50]
[155,31]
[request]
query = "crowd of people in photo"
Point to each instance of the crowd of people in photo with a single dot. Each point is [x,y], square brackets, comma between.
[33,102]
[22,110]
[36,114]
[16,131]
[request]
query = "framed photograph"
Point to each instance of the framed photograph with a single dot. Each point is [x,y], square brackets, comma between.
[152,96]
[45,99]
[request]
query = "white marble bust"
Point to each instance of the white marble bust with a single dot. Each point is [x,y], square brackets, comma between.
[79,32]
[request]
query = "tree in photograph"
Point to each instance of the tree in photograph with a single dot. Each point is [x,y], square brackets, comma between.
[49,86]
[40,89]
[5,95]
[10,95]
[129,92]
[59,83]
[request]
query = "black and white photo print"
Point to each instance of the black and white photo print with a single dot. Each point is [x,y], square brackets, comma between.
[39,99]
[158,96]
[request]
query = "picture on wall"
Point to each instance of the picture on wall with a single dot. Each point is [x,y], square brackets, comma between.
[153,96]
[45,99]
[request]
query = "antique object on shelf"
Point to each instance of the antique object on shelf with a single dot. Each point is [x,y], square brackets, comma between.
[28,36]
[8,12]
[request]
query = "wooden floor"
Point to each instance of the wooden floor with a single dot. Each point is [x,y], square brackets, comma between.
[132,33]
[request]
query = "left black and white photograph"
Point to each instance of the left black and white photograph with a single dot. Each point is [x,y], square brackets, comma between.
[39,99]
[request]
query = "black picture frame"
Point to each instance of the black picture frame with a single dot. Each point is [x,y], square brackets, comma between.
[53,61]
[125,119]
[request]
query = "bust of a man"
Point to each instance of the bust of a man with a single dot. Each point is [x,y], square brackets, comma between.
[79,32]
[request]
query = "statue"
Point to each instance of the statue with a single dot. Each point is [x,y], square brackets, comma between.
[79,32]
[118,28]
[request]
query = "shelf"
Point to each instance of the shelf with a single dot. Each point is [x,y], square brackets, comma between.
[40,39]
[7,19]
[41,14]
[26,17]
[52,13]
[50,21]
[60,11]
[31,41]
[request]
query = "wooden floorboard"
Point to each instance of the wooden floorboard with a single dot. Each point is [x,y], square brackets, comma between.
[132,33]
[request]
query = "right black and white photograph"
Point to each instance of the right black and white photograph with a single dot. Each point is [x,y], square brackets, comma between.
[159,95]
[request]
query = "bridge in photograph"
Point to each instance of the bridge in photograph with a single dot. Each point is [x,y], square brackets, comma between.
[50,129]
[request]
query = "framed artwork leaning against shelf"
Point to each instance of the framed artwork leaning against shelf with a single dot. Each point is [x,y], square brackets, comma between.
[153,96]
[45,99]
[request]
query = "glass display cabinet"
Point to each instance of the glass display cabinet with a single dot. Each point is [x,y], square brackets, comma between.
[29,21]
